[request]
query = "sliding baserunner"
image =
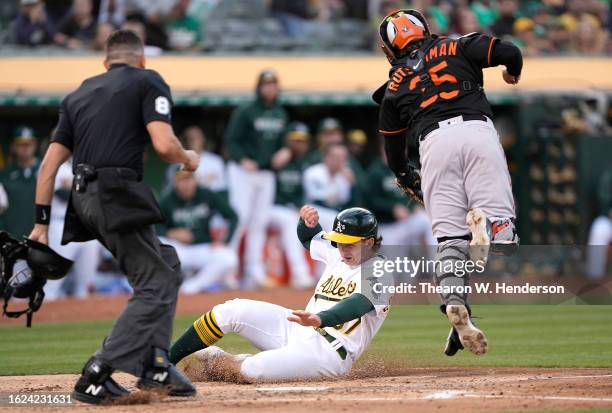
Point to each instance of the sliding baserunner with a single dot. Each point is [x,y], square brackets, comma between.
[322,341]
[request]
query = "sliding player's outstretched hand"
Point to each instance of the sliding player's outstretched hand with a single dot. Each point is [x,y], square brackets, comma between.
[305,318]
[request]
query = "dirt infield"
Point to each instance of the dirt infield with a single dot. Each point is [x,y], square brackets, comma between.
[414,390]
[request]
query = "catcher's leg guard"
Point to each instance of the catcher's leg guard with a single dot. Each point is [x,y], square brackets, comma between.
[493,235]
[463,332]
[450,256]
[503,235]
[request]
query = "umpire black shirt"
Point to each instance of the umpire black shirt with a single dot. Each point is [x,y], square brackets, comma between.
[103,122]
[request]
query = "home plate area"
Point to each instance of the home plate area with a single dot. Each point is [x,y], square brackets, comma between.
[414,390]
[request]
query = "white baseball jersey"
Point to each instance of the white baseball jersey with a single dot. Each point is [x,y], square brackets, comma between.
[338,282]
[211,172]
[63,180]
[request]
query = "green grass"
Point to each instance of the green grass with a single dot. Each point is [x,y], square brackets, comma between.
[527,336]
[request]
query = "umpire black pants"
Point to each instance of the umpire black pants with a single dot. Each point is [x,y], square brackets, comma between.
[153,271]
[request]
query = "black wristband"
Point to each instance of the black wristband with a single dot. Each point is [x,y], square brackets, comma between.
[43,214]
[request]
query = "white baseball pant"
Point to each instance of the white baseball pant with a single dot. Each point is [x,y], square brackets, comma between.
[86,257]
[289,351]
[414,230]
[213,265]
[600,238]
[285,220]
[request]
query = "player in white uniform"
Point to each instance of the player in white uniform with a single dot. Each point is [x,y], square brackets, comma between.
[211,173]
[322,341]
[330,184]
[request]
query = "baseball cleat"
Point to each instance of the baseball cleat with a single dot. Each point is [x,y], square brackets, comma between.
[477,222]
[479,245]
[213,364]
[96,386]
[163,375]
[453,344]
[471,337]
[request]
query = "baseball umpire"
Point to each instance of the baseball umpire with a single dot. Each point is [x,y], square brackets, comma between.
[435,97]
[105,125]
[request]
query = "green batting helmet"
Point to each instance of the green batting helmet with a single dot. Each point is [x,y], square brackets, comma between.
[353,225]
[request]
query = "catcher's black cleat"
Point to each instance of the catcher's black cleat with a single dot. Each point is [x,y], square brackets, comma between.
[453,344]
[96,386]
[162,375]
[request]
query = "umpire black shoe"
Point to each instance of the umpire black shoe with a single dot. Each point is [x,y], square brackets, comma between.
[160,374]
[96,386]
[453,344]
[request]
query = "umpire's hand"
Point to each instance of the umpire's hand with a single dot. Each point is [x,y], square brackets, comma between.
[193,161]
[40,233]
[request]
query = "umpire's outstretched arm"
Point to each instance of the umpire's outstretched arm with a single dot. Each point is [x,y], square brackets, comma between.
[56,155]
[168,147]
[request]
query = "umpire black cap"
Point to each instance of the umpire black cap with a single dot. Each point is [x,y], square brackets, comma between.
[353,225]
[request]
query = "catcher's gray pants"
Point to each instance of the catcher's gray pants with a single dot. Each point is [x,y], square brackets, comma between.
[463,166]
[153,271]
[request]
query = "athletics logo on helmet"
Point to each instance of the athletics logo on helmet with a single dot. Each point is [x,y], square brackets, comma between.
[400,31]
[352,225]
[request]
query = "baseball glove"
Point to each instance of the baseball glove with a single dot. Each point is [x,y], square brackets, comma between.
[410,183]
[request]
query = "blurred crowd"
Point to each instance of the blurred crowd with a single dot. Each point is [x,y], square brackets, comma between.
[545,27]
[233,221]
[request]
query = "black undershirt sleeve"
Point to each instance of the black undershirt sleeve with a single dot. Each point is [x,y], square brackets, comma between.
[396,151]
[506,54]
[305,234]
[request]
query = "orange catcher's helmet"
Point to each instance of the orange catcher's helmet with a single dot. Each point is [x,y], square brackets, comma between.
[400,30]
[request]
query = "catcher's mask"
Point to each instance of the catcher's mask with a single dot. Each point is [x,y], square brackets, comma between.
[401,32]
[25,268]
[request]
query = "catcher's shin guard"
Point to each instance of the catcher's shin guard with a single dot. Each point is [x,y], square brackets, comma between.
[448,273]
[503,235]
[495,235]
